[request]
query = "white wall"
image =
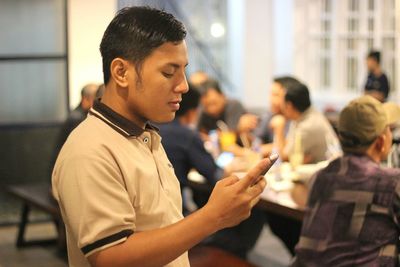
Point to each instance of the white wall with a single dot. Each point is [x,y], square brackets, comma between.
[282,37]
[87,21]
[257,54]
[260,45]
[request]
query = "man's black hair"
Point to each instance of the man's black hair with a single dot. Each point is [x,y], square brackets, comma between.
[135,32]
[286,81]
[190,100]
[299,96]
[210,83]
[375,55]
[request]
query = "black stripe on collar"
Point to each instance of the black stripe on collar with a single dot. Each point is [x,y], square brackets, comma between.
[128,127]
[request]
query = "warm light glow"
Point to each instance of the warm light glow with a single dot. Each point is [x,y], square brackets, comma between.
[217,30]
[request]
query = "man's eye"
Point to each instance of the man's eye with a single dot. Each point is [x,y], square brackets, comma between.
[168,75]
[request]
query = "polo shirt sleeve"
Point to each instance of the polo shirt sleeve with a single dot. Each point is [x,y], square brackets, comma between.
[98,210]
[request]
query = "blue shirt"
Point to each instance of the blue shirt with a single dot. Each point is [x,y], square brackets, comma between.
[186,151]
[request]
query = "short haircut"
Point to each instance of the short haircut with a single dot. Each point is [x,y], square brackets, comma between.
[209,84]
[286,81]
[135,32]
[299,96]
[375,55]
[190,100]
[89,90]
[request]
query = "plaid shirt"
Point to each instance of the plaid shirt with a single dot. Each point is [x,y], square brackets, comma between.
[352,216]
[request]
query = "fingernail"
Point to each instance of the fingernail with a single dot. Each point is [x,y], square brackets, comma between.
[273,157]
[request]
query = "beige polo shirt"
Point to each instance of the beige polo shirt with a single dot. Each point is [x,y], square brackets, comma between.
[112,179]
[317,136]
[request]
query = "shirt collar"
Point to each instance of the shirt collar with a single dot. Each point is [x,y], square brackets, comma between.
[117,121]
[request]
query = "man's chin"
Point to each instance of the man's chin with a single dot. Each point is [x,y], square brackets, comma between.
[165,119]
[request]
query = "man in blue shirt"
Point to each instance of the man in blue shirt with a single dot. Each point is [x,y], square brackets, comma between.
[183,145]
[185,150]
[377,84]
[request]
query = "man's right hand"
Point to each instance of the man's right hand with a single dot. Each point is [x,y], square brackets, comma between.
[232,198]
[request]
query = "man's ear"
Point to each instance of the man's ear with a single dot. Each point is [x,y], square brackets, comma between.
[119,71]
[380,143]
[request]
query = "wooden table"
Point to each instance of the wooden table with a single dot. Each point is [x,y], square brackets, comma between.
[288,203]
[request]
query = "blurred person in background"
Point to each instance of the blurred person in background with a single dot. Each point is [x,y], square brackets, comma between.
[89,93]
[274,122]
[377,84]
[77,115]
[309,130]
[185,149]
[217,107]
[353,211]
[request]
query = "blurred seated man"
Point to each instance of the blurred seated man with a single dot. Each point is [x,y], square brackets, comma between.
[76,116]
[377,84]
[309,130]
[89,93]
[274,121]
[353,211]
[186,151]
[183,145]
[217,107]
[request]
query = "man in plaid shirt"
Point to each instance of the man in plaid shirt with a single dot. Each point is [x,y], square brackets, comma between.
[353,210]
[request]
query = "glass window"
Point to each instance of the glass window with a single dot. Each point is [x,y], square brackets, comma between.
[352,73]
[33,61]
[352,44]
[325,44]
[32,27]
[38,93]
[370,24]
[325,25]
[371,5]
[327,6]
[326,71]
[352,25]
[354,5]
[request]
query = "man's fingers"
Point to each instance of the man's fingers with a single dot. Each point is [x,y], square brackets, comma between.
[229,180]
[257,189]
[254,201]
[259,170]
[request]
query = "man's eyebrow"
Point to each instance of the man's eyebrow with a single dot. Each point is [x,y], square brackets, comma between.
[177,66]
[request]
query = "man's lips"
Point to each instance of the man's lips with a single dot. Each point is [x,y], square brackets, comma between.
[174,104]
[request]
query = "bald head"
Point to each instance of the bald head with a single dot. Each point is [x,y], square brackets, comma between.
[88,95]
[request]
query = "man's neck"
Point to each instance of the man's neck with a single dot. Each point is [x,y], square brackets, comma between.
[373,155]
[118,104]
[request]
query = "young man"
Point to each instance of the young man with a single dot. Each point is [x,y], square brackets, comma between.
[117,191]
[315,133]
[377,84]
[216,106]
[353,210]
[273,124]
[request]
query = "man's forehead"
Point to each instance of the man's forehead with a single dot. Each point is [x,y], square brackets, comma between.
[172,54]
